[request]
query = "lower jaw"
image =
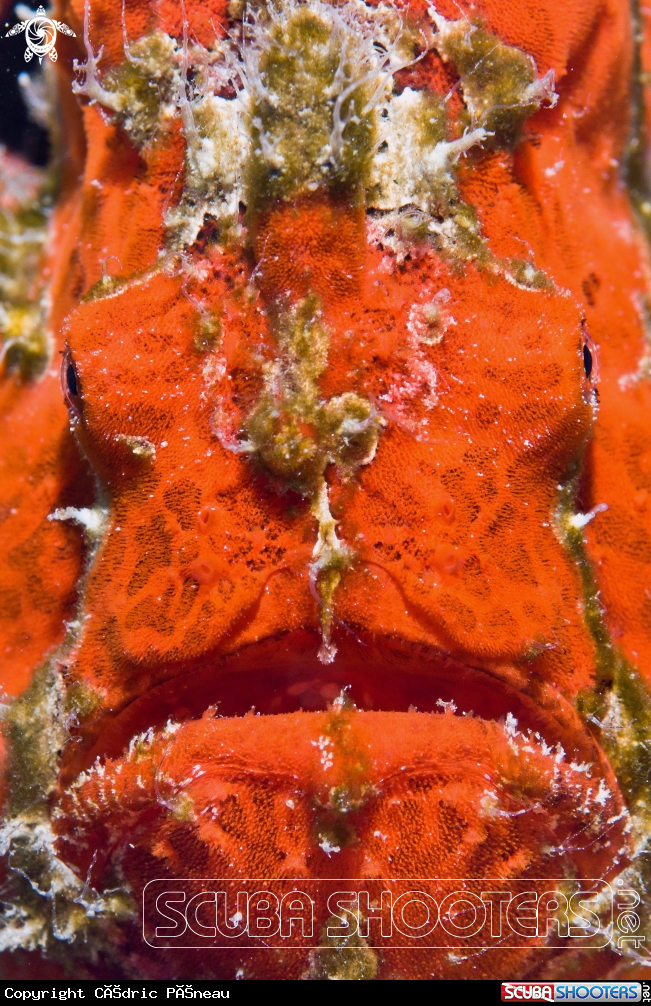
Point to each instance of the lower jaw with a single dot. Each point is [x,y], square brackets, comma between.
[340,793]
[270,773]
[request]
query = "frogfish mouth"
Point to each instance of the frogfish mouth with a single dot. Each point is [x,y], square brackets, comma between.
[342,515]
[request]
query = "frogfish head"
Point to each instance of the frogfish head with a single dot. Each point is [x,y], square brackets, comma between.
[328,355]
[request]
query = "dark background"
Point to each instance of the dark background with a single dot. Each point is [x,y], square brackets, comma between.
[17,131]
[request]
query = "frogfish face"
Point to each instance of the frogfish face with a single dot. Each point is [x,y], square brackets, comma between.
[350,466]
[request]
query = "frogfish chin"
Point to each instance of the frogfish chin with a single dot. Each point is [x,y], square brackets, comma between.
[325,513]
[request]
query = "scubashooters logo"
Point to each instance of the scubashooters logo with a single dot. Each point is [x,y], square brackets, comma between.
[432,914]
[572,992]
[40,34]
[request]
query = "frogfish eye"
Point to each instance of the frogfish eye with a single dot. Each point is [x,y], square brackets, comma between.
[590,357]
[70,384]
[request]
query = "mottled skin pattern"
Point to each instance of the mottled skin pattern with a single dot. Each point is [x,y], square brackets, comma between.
[462,584]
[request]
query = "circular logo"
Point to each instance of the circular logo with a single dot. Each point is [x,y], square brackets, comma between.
[40,35]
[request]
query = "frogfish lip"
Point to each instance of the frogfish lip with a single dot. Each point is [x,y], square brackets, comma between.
[190,781]
[279,676]
[393,761]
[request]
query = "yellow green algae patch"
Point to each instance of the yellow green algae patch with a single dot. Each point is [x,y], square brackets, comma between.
[144,86]
[334,826]
[412,181]
[311,104]
[50,907]
[619,708]
[141,91]
[292,431]
[294,435]
[24,211]
[571,533]
[33,725]
[342,958]
[499,83]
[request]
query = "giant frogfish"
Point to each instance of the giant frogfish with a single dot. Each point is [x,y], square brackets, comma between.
[325,471]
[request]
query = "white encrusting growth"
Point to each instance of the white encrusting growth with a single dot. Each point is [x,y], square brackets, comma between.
[365,43]
[407,168]
[71,899]
[92,519]
[140,446]
[305,95]
[329,553]
[217,151]
[62,904]
[300,137]
[91,86]
[428,321]
[327,846]
[579,520]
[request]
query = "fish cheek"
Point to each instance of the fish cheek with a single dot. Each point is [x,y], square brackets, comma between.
[512,356]
[139,373]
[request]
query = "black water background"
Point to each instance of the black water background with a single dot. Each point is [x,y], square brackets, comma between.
[17,131]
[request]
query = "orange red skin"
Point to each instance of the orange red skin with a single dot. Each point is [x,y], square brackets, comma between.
[457,555]
[258,769]
[42,560]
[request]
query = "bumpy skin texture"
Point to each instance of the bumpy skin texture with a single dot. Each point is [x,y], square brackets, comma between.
[41,469]
[455,572]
